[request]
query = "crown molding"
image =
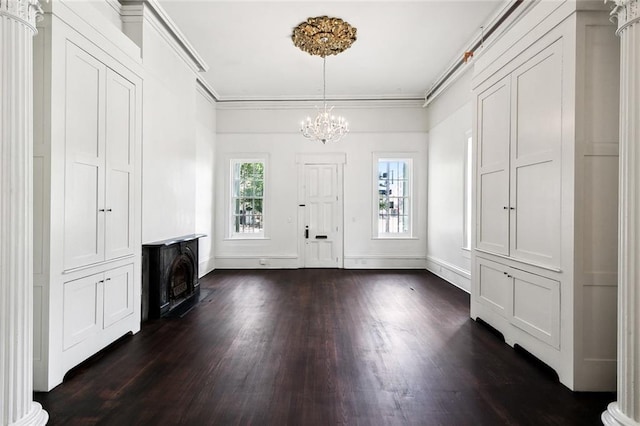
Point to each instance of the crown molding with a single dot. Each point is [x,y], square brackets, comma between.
[458,66]
[134,9]
[312,104]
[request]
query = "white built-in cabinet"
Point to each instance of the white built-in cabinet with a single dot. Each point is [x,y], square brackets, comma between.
[546,166]
[86,195]
[100,138]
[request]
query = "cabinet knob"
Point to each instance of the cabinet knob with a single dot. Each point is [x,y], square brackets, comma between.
[101,210]
[505,208]
[109,210]
[510,208]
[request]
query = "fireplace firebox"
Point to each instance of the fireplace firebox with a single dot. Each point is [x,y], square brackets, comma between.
[170,285]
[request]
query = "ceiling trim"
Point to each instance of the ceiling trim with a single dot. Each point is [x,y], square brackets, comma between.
[129,9]
[507,15]
[206,89]
[373,98]
[308,104]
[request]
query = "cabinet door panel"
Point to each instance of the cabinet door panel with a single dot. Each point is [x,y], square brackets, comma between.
[493,109]
[82,309]
[536,306]
[120,105]
[493,232]
[536,220]
[118,294]
[494,286]
[84,144]
[536,157]
[494,126]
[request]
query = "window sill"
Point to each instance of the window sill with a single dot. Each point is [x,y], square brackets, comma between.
[394,237]
[246,238]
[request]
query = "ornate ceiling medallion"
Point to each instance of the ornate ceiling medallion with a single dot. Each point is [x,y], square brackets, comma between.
[324,36]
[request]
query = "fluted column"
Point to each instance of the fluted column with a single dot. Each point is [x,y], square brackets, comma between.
[17,27]
[626,410]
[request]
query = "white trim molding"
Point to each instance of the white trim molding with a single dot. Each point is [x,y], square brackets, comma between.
[17,26]
[384,261]
[450,273]
[133,13]
[626,410]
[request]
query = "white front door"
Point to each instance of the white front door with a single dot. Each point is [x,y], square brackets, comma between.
[322,222]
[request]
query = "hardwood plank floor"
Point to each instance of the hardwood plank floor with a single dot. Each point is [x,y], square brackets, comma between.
[319,347]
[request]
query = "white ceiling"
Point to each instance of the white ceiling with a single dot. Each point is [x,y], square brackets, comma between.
[402,46]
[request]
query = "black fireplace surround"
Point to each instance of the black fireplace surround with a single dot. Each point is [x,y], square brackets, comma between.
[170,284]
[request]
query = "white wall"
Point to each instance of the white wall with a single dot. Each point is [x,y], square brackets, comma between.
[205,159]
[449,118]
[169,140]
[273,130]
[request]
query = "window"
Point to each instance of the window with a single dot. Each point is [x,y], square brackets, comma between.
[393,187]
[468,171]
[247,198]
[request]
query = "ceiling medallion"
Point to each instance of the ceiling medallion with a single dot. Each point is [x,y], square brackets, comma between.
[323,36]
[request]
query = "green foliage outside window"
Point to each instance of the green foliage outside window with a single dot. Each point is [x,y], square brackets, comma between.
[248,197]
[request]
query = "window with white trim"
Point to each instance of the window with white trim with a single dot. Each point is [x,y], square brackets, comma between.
[393,187]
[247,198]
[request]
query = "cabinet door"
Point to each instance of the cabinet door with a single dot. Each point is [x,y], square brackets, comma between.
[536,157]
[118,294]
[536,306]
[120,124]
[494,286]
[81,309]
[493,109]
[84,161]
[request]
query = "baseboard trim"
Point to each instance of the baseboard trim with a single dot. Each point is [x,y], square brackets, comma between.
[450,273]
[205,266]
[257,262]
[384,262]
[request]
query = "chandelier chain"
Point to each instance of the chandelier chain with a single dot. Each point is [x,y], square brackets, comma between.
[324,81]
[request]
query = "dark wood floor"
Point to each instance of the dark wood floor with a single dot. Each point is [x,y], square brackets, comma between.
[319,347]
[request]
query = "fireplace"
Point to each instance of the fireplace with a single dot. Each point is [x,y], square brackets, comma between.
[170,284]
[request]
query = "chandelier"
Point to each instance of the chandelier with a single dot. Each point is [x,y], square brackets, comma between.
[323,36]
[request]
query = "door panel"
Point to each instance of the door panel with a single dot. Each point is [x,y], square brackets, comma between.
[82,309]
[493,168]
[120,105]
[118,295]
[84,171]
[323,216]
[536,157]
[494,287]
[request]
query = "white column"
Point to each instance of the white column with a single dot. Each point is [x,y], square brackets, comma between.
[17,27]
[626,410]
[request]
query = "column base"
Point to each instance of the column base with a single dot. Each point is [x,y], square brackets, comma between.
[614,417]
[36,417]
